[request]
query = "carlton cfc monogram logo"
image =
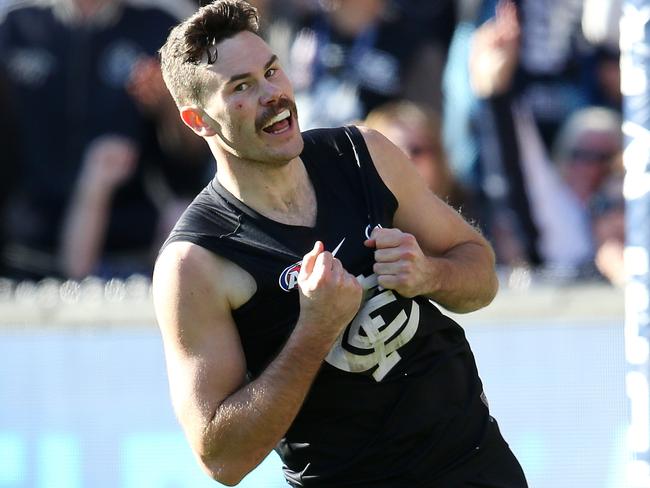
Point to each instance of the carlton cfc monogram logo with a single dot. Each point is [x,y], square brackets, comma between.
[372,339]
[369,340]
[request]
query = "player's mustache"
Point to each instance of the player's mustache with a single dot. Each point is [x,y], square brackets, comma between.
[272,111]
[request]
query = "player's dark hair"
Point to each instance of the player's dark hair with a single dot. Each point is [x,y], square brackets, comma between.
[191,46]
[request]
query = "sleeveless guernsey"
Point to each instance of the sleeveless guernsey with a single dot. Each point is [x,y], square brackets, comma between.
[398,401]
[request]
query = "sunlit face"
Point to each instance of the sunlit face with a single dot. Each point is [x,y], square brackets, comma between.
[251,103]
[417,145]
[589,163]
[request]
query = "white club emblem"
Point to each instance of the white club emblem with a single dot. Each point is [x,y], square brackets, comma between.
[378,341]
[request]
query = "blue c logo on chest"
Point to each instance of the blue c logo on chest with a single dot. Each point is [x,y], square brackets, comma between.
[289,277]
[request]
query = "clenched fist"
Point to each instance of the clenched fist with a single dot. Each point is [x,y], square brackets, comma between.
[329,296]
[400,264]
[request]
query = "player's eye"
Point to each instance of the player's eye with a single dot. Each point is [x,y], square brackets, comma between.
[241,87]
[270,72]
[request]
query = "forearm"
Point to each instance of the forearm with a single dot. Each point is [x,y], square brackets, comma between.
[233,425]
[251,421]
[109,161]
[463,279]
[83,232]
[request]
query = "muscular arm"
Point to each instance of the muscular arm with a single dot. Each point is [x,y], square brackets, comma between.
[440,256]
[233,425]
[109,162]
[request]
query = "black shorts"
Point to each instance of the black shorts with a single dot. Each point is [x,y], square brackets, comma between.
[493,465]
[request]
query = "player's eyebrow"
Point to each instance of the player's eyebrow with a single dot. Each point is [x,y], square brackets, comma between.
[243,76]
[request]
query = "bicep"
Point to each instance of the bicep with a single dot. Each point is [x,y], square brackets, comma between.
[436,226]
[203,352]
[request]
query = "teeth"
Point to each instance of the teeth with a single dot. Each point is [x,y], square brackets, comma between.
[285,114]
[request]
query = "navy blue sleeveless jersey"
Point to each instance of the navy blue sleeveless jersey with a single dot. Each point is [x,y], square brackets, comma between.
[398,401]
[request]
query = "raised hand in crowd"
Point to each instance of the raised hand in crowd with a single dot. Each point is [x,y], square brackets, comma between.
[495,51]
[109,162]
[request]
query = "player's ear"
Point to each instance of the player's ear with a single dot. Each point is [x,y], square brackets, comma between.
[197,120]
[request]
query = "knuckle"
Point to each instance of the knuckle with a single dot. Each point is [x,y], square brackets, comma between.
[393,234]
[410,254]
[401,279]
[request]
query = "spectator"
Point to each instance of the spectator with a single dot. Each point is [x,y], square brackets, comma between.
[355,56]
[507,215]
[416,130]
[556,68]
[72,68]
[586,148]
[436,22]
[518,176]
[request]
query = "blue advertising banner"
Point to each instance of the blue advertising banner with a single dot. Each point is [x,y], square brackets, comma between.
[635,76]
[89,407]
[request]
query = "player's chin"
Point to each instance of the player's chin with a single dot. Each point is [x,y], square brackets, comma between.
[287,148]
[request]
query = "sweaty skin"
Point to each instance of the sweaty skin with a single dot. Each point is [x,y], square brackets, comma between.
[232,424]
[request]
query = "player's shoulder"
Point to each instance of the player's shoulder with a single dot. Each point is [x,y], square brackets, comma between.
[189,261]
[322,136]
[392,164]
[183,262]
[333,134]
[375,140]
[185,267]
[184,255]
[341,139]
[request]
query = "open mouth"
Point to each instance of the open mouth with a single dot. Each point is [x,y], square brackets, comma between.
[279,124]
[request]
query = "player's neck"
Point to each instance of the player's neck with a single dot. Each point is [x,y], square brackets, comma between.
[283,193]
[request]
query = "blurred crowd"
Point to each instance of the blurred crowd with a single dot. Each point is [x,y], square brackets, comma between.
[509,109]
